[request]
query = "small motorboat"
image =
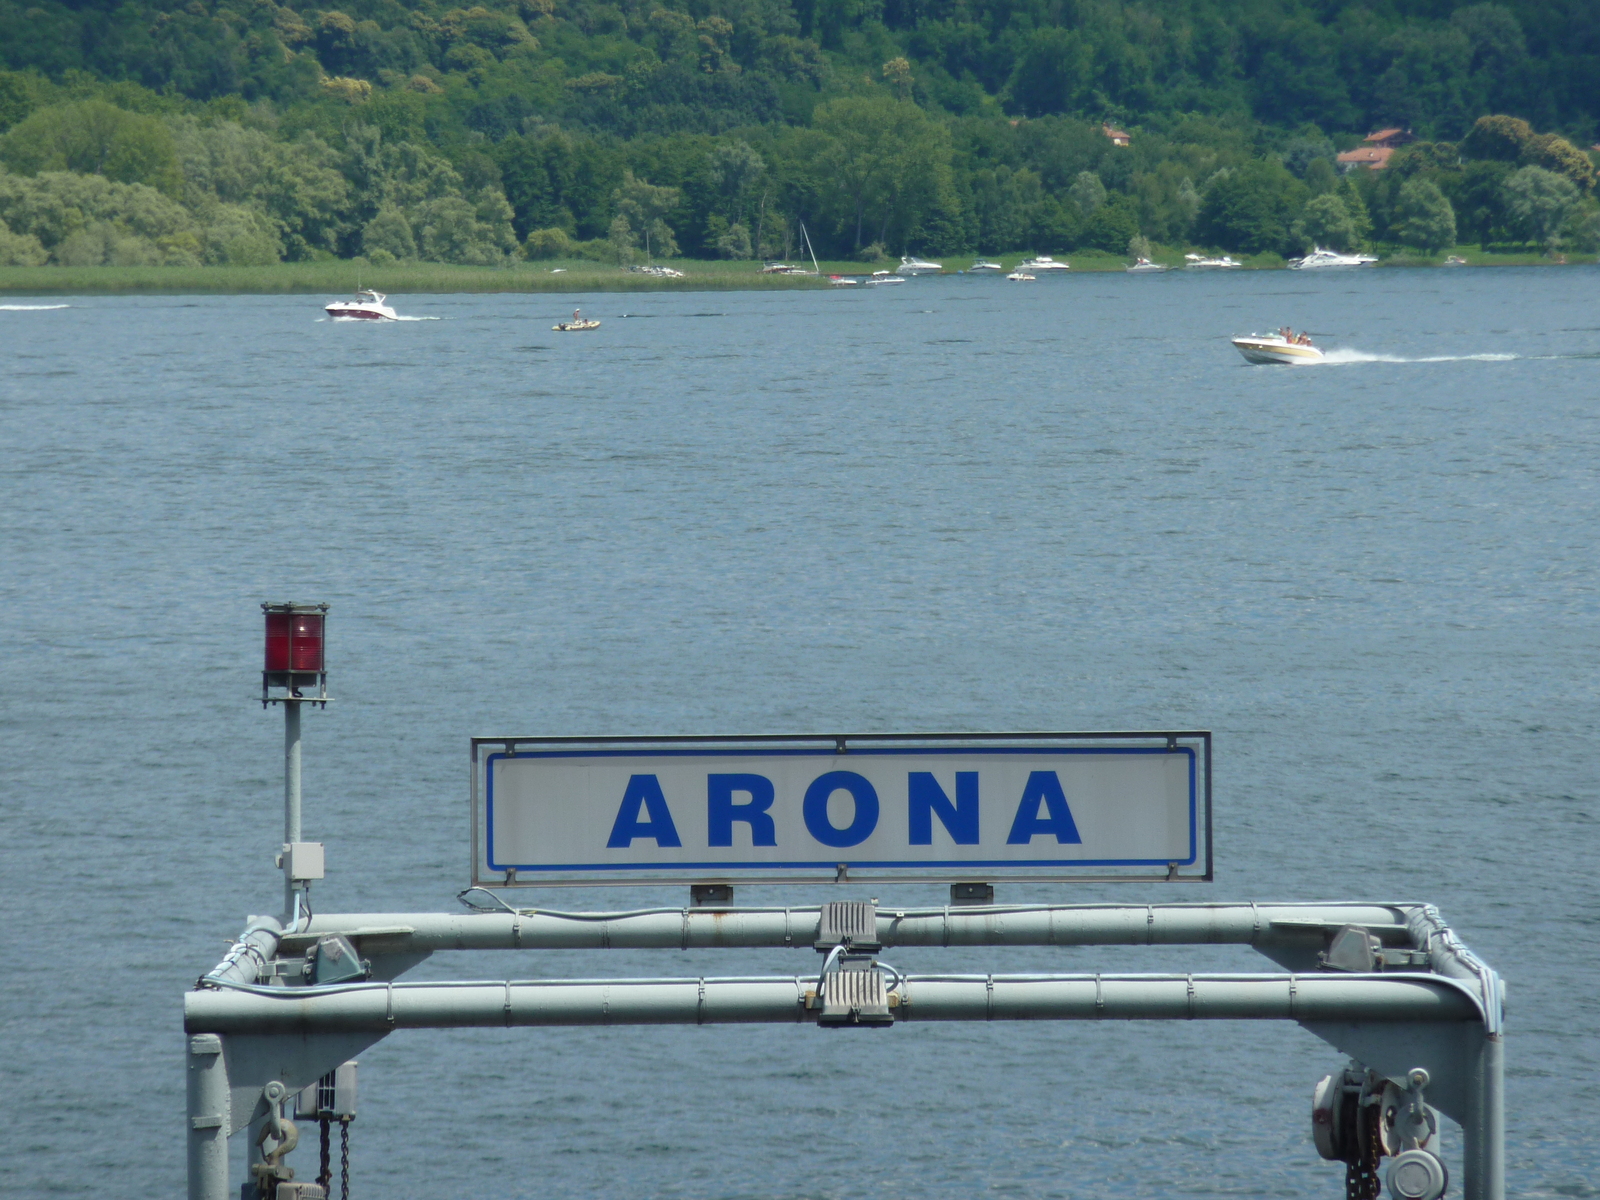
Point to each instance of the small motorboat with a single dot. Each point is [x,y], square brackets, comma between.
[367,306]
[578,324]
[1455,260]
[1045,263]
[1145,267]
[1320,259]
[781,268]
[1199,262]
[910,264]
[984,267]
[842,281]
[1283,347]
[879,278]
[1021,276]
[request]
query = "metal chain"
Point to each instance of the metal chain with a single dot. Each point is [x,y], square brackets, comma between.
[344,1158]
[1361,1179]
[325,1175]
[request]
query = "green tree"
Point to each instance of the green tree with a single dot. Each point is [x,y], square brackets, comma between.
[644,208]
[886,158]
[1053,74]
[1113,225]
[21,249]
[1538,203]
[1498,138]
[736,171]
[1250,209]
[1555,153]
[16,98]
[1088,192]
[1325,221]
[390,232]
[92,137]
[1426,220]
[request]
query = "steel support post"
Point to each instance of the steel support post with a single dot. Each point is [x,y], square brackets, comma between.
[291,798]
[208,1118]
[1484,1130]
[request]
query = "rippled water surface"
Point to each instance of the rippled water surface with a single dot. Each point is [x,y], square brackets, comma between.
[958,504]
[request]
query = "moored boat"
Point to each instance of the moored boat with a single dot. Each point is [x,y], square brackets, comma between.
[1021,276]
[1320,259]
[882,277]
[367,306]
[985,267]
[1199,262]
[1284,348]
[1145,267]
[1045,263]
[910,264]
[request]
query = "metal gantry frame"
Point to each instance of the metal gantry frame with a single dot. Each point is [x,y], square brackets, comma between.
[258,1031]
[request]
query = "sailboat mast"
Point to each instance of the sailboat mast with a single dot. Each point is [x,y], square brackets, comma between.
[809,250]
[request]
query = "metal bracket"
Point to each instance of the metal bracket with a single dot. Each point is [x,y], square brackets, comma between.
[972,893]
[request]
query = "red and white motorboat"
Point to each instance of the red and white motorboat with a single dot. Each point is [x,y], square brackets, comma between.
[367,306]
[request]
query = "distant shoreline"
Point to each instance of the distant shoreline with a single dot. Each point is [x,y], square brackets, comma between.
[343,276]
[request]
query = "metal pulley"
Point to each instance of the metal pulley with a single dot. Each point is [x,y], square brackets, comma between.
[1417,1175]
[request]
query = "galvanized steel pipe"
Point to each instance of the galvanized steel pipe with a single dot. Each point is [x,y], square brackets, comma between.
[383,1007]
[1043,925]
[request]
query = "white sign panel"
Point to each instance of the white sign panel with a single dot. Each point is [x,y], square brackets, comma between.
[702,812]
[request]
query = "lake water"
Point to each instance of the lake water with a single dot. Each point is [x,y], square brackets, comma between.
[957,504]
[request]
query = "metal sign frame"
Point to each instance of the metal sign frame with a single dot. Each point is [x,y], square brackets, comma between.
[1196,742]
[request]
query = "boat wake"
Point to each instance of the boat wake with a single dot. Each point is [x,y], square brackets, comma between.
[1347,357]
[370,321]
[30,307]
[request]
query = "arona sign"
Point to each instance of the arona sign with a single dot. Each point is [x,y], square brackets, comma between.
[869,806]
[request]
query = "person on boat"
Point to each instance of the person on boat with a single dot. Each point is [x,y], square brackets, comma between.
[576,315]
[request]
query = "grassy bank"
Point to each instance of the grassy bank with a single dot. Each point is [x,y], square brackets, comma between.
[577,275]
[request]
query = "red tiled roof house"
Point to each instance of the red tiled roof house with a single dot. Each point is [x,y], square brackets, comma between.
[1379,146]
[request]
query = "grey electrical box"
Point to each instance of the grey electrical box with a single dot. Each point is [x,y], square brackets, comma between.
[849,923]
[853,997]
[331,1097]
[303,860]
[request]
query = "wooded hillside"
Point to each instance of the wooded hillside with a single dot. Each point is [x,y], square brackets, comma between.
[245,131]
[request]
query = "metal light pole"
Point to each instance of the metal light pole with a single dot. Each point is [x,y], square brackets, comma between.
[294,673]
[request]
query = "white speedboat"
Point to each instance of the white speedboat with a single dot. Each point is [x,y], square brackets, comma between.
[1043,263]
[910,264]
[367,306]
[781,268]
[984,267]
[1320,259]
[1145,267]
[879,278]
[1199,262]
[1276,348]
[1021,276]
[842,281]
[1455,260]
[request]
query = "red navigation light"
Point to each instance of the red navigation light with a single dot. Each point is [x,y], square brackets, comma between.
[305,642]
[294,657]
[278,632]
